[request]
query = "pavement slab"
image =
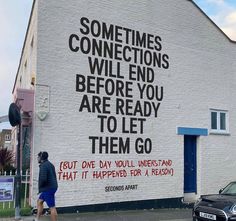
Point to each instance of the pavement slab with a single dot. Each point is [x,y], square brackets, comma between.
[131,215]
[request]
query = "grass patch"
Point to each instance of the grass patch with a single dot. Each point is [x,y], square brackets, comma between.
[10,212]
[7,212]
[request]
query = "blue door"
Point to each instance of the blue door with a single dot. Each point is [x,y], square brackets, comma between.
[190,173]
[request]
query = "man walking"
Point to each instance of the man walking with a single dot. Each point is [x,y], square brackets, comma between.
[47,186]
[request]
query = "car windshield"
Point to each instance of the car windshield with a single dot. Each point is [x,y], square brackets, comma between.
[230,189]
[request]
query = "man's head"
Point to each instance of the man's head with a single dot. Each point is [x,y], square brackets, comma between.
[42,156]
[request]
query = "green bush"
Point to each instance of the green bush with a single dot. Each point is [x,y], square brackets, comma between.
[26,211]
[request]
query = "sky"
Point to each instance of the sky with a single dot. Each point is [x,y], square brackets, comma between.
[14,16]
[222,12]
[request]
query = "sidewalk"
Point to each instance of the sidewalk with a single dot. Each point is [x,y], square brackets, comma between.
[132,215]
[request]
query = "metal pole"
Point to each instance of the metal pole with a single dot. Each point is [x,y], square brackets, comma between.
[18,178]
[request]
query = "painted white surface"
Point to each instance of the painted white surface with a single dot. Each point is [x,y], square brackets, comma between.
[199,77]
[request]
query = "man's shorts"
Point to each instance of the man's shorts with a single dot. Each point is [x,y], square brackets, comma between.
[48,197]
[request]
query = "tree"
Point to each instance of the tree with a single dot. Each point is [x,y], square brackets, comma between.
[7,158]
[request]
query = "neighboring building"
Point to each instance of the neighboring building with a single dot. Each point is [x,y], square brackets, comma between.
[5,139]
[133,100]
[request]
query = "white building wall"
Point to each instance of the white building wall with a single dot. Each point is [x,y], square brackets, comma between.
[27,70]
[27,66]
[199,77]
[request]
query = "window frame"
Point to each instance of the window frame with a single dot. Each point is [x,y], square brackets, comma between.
[218,129]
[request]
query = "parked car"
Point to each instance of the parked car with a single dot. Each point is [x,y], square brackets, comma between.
[219,207]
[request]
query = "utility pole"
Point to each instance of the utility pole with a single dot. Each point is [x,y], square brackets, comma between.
[18,177]
[15,120]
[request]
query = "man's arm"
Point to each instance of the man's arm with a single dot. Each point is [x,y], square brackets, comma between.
[43,176]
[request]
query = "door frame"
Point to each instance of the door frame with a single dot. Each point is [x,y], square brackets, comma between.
[192,132]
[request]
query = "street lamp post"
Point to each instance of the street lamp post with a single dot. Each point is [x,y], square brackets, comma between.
[15,120]
[18,177]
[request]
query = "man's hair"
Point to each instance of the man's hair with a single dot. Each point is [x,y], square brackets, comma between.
[43,155]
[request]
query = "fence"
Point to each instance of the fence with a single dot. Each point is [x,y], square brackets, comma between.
[25,178]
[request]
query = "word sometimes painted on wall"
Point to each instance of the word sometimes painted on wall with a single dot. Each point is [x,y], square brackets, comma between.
[104,169]
[120,85]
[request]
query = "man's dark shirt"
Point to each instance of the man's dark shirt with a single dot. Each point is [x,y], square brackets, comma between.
[47,177]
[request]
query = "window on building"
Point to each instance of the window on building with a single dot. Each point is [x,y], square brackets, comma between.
[219,121]
[32,42]
[7,137]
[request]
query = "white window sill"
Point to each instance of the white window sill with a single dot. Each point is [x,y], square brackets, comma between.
[219,133]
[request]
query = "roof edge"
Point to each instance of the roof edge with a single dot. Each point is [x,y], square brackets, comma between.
[22,50]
